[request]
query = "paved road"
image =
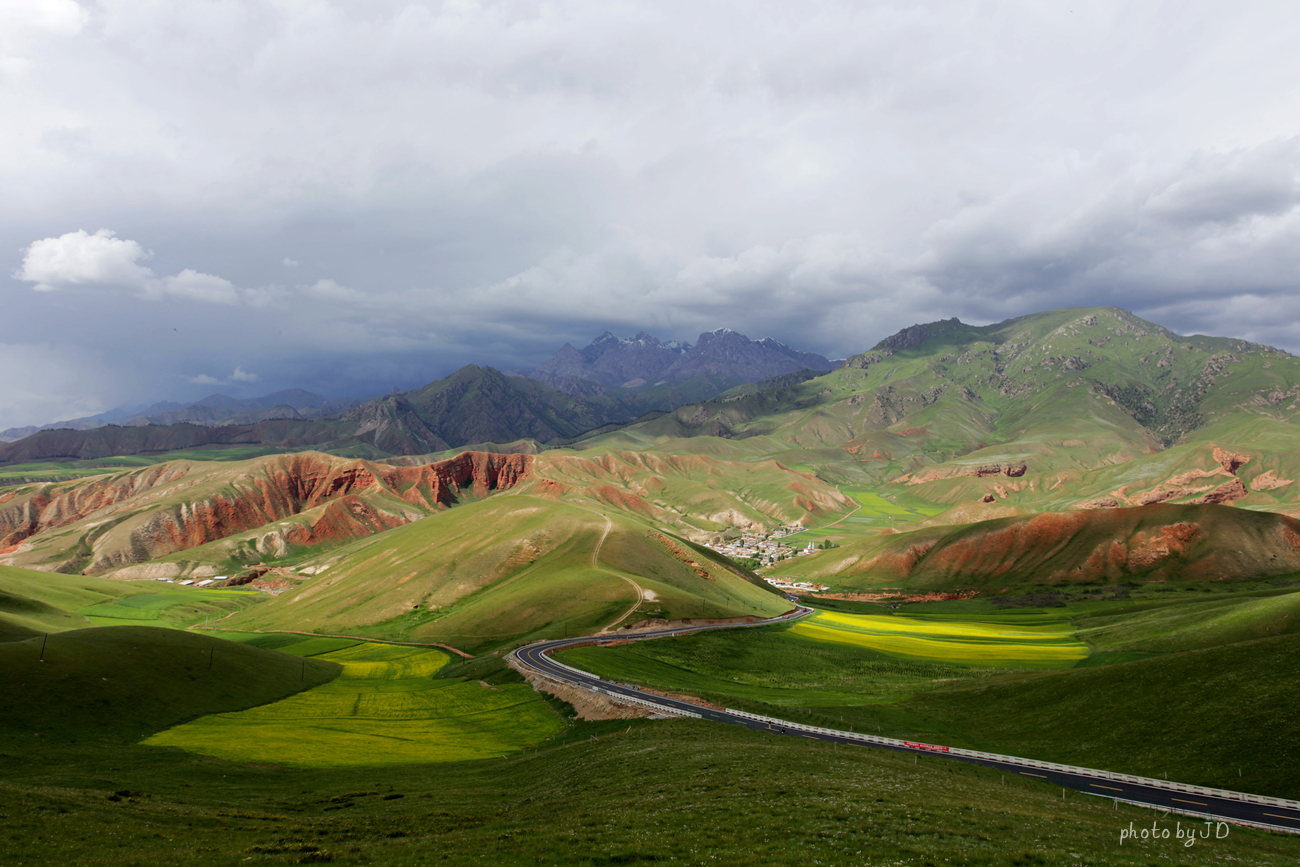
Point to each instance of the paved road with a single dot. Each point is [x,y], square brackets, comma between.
[538,657]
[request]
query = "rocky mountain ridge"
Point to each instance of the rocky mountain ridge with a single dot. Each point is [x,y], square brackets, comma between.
[644,361]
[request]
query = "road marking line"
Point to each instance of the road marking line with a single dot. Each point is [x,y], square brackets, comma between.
[1100,786]
[1027,774]
[1276,816]
[1197,803]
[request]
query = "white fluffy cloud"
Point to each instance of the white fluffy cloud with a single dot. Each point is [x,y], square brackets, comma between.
[102,259]
[79,258]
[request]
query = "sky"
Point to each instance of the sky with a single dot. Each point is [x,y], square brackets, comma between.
[348,197]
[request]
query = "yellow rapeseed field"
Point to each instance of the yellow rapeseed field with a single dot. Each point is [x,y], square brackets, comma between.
[384,709]
[973,641]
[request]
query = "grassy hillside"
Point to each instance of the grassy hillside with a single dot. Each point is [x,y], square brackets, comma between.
[678,792]
[122,683]
[34,602]
[1200,716]
[507,570]
[701,496]
[1041,413]
[384,708]
[1152,543]
[1214,715]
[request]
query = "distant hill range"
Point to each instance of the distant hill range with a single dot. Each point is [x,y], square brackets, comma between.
[213,410]
[613,381]
[725,357]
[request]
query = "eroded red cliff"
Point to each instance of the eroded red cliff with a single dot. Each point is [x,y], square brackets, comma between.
[175,506]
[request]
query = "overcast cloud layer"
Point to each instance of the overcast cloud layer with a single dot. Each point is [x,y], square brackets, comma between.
[236,196]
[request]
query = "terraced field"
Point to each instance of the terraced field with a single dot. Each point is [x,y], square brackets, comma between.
[1035,641]
[385,708]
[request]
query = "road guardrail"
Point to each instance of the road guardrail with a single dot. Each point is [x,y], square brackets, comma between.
[1150,782]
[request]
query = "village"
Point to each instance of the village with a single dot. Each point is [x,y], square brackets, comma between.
[763,549]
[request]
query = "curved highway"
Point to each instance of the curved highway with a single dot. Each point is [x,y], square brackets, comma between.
[1199,802]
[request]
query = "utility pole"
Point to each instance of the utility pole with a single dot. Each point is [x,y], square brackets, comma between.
[43,640]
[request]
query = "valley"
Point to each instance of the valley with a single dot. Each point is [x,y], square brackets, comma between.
[1072,537]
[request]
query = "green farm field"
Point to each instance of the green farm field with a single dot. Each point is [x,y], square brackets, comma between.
[1008,641]
[386,707]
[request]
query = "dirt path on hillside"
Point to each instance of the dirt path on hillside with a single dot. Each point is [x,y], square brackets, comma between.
[595,564]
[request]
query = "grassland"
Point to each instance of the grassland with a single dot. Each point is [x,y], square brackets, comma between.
[1212,710]
[771,666]
[509,569]
[33,602]
[385,708]
[121,683]
[1040,641]
[177,607]
[683,792]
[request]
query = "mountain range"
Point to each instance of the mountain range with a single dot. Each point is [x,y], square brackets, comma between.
[570,395]
[644,361]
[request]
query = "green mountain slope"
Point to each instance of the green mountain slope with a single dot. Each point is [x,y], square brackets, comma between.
[1038,413]
[507,570]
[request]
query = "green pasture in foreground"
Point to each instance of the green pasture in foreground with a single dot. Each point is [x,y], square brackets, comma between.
[122,683]
[385,708]
[1211,715]
[682,792]
[1042,641]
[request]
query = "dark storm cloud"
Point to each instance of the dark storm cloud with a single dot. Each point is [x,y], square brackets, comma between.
[353,196]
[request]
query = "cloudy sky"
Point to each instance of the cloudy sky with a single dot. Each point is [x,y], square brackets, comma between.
[240,196]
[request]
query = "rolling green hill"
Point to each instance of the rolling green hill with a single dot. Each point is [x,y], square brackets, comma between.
[1087,408]
[506,570]
[122,683]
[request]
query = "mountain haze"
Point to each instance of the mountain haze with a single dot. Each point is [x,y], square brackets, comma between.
[724,357]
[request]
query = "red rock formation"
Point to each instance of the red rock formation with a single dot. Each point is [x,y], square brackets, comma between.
[1269,481]
[274,489]
[1012,470]
[682,556]
[1165,492]
[1098,503]
[47,506]
[1153,543]
[1226,493]
[1230,461]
